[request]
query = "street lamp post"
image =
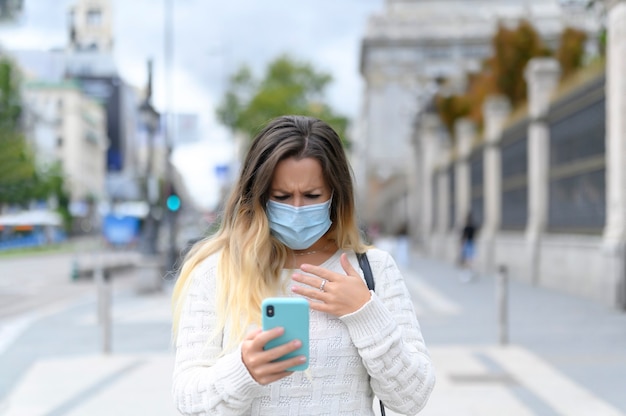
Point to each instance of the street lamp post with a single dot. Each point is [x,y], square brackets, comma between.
[150,119]
[171,254]
[149,274]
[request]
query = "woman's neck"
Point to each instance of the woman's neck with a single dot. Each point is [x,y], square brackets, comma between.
[317,254]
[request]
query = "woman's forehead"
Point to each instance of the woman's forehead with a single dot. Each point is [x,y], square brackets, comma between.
[298,174]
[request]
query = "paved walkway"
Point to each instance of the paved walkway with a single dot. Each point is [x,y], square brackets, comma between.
[566,356]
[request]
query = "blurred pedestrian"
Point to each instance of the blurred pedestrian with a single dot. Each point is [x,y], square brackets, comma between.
[290,229]
[467,249]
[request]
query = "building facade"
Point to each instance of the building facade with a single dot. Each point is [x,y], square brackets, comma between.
[88,61]
[66,126]
[406,53]
[545,182]
[90,26]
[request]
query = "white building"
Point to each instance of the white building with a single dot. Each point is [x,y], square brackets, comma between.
[406,49]
[88,60]
[90,26]
[65,126]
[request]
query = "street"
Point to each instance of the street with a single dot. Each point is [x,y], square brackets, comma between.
[565,356]
[30,283]
[24,288]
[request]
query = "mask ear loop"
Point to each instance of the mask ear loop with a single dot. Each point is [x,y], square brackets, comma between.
[330,212]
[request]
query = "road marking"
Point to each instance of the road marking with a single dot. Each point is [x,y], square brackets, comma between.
[543,380]
[528,385]
[94,389]
[12,328]
[111,385]
[429,299]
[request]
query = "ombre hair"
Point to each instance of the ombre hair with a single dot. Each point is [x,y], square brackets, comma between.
[250,258]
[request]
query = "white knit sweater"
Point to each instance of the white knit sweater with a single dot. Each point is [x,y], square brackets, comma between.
[378,349]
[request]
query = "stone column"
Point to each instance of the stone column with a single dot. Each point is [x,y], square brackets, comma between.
[443,191]
[615,230]
[414,191]
[496,110]
[542,78]
[429,146]
[464,130]
[415,186]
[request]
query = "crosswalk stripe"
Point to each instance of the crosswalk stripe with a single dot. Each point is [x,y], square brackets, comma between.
[520,384]
[554,388]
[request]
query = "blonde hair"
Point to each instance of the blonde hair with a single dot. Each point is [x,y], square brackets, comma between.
[251,259]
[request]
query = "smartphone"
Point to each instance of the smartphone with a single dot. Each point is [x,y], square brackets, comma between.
[293,315]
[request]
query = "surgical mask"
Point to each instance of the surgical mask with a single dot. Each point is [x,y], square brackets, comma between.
[298,227]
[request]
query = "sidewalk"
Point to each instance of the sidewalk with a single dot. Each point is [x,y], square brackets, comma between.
[566,356]
[56,364]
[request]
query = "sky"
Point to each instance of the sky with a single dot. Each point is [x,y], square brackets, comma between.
[211,39]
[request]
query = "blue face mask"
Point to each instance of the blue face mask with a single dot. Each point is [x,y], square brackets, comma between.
[298,227]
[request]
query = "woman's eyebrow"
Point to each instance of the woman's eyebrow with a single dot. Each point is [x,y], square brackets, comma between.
[312,190]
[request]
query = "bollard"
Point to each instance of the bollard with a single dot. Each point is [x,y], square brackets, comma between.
[104,303]
[74,272]
[502,283]
[106,325]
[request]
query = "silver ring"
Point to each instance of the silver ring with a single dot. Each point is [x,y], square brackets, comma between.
[322,285]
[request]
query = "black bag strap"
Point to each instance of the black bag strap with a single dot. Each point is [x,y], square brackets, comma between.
[369,279]
[367,270]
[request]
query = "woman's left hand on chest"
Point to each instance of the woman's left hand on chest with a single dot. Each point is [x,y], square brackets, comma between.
[338,294]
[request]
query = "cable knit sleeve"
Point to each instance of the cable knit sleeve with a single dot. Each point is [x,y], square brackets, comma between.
[388,336]
[205,382]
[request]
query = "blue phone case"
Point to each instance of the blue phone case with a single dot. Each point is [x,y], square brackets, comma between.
[293,315]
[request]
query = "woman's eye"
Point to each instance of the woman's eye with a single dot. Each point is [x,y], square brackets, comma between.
[313,196]
[281,197]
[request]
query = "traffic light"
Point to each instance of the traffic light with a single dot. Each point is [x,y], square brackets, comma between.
[172,202]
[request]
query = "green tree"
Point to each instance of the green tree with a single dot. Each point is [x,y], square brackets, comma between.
[21,180]
[17,167]
[10,101]
[52,183]
[502,73]
[451,108]
[287,87]
[513,48]
[571,51]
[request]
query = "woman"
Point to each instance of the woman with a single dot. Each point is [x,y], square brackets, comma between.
[290,229]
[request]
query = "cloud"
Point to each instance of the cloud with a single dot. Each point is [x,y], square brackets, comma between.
[210,40]
[214,38]
[198,164]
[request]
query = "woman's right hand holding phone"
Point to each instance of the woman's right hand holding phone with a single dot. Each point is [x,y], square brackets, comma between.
[261,363]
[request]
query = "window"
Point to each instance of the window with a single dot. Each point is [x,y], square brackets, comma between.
[437,52]
[94,17]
